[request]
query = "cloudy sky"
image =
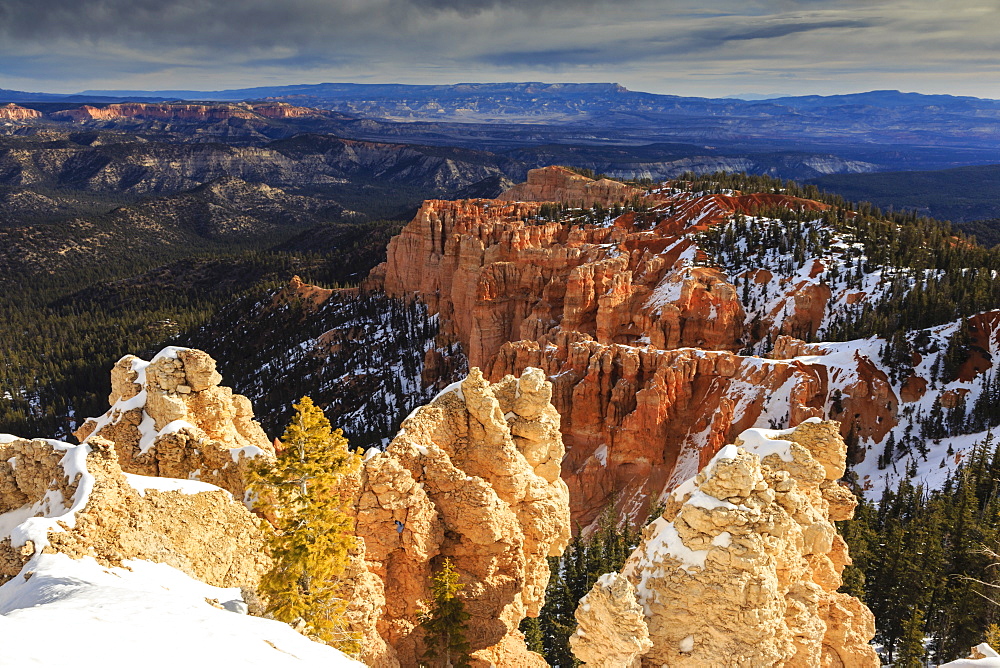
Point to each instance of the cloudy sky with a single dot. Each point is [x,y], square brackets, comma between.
[686,47]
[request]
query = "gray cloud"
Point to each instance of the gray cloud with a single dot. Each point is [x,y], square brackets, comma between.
[682,46]
[784,29]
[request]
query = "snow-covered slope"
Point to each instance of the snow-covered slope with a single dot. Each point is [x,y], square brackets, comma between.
[987,657]
[67,612]
[73,604]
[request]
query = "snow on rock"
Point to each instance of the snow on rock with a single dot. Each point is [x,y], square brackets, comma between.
[76,500]
[170,417]
[142,484]
[460,480]
[618,633]
[110,563]
[74,612]
[31,510]
[752,531]
[982,656]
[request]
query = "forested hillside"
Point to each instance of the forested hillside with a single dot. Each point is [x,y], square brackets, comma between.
[63,331]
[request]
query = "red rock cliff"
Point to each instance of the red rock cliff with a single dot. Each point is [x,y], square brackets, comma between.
[637,334]
[181,112]
[13,112]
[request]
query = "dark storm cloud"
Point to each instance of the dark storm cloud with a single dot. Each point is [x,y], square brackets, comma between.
[75,44]
[785,29]
[629,50]
[472,7]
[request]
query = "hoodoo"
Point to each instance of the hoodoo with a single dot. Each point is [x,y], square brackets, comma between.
[170,417]
[742,568]
[472,477]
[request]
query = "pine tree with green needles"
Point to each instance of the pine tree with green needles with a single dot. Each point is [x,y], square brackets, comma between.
[444,624]
[993,635]
[300,492]
[911,649]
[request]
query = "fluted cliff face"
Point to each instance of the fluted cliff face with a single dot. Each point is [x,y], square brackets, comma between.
[743,567]
[497,272]
[637,331]
[472,477]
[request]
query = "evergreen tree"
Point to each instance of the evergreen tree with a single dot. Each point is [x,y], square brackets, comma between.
[444,623]
[911,649]
[299,492]
[993,635]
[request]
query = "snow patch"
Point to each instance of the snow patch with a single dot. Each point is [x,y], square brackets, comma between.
[247,451]
[142,483]
[602,454]
[64,614]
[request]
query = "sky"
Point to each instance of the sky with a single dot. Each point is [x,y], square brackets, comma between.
[711,48]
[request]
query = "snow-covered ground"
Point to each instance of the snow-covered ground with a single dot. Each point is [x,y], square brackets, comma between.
[67,612]
[60,611]
[990,659]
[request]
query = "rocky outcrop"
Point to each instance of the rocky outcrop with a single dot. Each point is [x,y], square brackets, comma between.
[616,634]
[744,565]
[159,477]
[981,656]
[170,417]
[310,297]
[472,477]
[14,112]
[559,184]
[76,500]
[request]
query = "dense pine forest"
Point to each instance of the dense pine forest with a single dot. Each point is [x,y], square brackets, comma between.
[63,332]
[926,562]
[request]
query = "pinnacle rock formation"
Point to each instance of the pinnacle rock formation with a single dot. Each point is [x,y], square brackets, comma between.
[743,567]
[170,417]
[472,477]
[618,635]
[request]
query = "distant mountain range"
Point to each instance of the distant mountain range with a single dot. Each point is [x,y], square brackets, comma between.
[837,140]
[880,117]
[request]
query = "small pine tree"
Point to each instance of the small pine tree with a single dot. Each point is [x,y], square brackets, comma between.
[993,635]
[444,624]
[534,637]
[299,492]
[911,648]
